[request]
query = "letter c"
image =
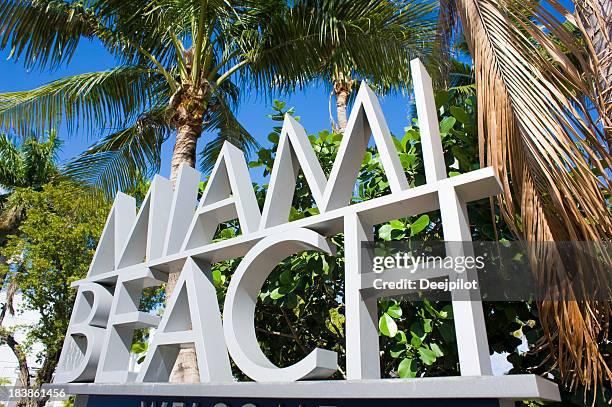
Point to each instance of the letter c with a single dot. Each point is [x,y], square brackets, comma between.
[239,310]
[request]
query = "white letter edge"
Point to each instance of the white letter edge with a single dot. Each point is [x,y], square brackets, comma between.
[239,310]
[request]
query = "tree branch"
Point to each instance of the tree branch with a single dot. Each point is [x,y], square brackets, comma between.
[294,332]
[9,339]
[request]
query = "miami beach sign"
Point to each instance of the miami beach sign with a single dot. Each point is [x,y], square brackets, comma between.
[138,250]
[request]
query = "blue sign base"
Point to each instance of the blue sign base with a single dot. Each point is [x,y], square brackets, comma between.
[140,401]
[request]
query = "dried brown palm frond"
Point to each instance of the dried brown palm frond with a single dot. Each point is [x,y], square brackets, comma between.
[535,86]
[594,19]
[445,32]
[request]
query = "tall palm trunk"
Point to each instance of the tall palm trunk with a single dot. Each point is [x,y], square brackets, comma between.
[184,149]
[186,367]
[188,106]
[343,86]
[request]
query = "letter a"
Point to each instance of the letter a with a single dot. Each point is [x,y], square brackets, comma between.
[228,195]
[192,318]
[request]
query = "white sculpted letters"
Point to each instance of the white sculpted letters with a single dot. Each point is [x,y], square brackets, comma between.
[170,233]
[191,319]
[239,310]
[83,343]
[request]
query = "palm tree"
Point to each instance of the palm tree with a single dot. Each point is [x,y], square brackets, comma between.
[29,164]
[543,90]
[372,39]
[160,84]
[180,67]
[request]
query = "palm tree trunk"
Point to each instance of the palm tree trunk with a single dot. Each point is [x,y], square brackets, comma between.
[341,102]
[343,86]
[184,148]
[188,130]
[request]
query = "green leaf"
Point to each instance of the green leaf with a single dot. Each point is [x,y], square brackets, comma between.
[436,350]
[416,340]
[427,325]
[401,338]
[407,369]
[411,135]
[397,224]
[367,158]
[385,232]
[396,351]
[421,223]
[408,160]
[447,124]
[286,277]
[387,325]
[398,144]
[460,114]
[217,278]
[277,294]
[397,234]
[336,320]
[427,356]
[441,98]
[273,137]
[278,105]
[139,347]
[395,311]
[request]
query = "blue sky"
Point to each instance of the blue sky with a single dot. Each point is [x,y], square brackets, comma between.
[311,104]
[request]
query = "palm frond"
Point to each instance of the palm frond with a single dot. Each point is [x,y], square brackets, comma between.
[313,39]
[97,99]
[44,33]
[39,161]
[117,161]
[28,163]
[594,19]
[222,120]
[460,74]
[138,31]
[535,129]
[11,162]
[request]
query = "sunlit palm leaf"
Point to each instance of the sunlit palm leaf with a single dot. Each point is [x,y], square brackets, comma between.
[43,33]
[535,128]
[116,162]
[375,40]
[227,128]
[98,99]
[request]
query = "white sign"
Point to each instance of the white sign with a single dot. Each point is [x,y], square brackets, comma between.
[138,250]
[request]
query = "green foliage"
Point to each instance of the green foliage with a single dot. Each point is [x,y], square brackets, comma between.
[29,163]
[52,248]
[301,304]
[185,62]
